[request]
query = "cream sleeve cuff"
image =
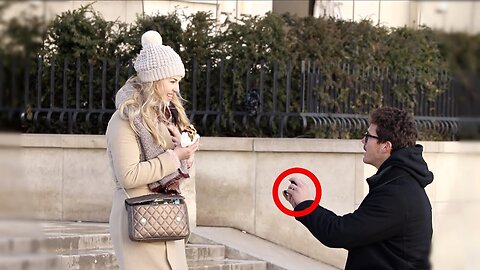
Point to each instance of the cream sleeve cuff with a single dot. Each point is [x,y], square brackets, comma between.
[174,157]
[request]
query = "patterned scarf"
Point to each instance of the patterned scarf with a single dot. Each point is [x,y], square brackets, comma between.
[149,149]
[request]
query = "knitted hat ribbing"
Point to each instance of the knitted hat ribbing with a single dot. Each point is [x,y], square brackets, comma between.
[156,61]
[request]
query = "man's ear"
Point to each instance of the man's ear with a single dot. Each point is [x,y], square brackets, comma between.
[387,147]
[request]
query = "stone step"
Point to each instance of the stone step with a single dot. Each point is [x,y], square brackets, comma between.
[87,259]
[219,265]
[21,245]
[59,243]
[84,246]
[63,243]
[201,257]
[30,262]
[228,265]
[243,246]
[75,244]
[54,243]
[204,252]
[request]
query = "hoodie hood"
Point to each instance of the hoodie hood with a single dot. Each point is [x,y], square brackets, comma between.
[411,160]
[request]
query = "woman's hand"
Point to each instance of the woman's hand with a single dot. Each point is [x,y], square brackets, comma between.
[186,152]
[190,161]
[176,135]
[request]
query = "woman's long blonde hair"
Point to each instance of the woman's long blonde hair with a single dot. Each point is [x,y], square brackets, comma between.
[146,103]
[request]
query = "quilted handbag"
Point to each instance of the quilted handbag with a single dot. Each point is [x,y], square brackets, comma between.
[157,217]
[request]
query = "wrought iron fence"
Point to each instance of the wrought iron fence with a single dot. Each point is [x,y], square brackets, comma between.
[275,99]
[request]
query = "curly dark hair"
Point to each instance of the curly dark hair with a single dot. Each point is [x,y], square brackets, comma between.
[396,126]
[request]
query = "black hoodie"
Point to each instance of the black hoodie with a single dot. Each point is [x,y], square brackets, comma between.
[392,227]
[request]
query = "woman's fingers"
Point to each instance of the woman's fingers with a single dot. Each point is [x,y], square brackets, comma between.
[176,135]
[190,161]
[186,152]
[194,146]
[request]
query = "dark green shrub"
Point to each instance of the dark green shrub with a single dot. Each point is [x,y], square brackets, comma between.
[343,67]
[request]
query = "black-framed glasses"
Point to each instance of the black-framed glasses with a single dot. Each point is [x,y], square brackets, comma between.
[367,135]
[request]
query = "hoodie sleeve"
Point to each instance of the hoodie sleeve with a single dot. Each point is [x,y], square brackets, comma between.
[379,217]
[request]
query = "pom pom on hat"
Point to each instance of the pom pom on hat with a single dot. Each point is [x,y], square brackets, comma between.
[156,61]
[151,38]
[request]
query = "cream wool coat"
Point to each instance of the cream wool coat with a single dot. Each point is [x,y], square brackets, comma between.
[124,154]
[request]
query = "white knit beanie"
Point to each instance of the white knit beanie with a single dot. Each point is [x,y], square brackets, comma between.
[156,61]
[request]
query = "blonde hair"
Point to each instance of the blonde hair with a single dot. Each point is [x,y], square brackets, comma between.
[146,103]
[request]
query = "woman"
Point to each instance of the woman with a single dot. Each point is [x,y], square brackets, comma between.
[143,145]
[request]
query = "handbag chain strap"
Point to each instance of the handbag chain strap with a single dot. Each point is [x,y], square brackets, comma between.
[124,190]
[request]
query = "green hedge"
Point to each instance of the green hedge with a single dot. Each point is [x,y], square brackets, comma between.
[414,58]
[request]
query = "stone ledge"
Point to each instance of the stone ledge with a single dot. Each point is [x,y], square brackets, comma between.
[307,145]
[226,144]
[63,141]
[238,144]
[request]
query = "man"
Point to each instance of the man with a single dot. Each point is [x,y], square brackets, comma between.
[392,227]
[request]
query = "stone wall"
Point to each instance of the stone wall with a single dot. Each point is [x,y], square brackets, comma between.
[67,177]
[235,178]
[64,177]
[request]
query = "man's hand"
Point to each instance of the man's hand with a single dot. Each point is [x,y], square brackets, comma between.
[297,192]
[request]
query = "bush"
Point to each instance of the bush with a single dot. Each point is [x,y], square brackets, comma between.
[343,66]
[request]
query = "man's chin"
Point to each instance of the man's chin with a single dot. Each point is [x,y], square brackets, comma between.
[365,160]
